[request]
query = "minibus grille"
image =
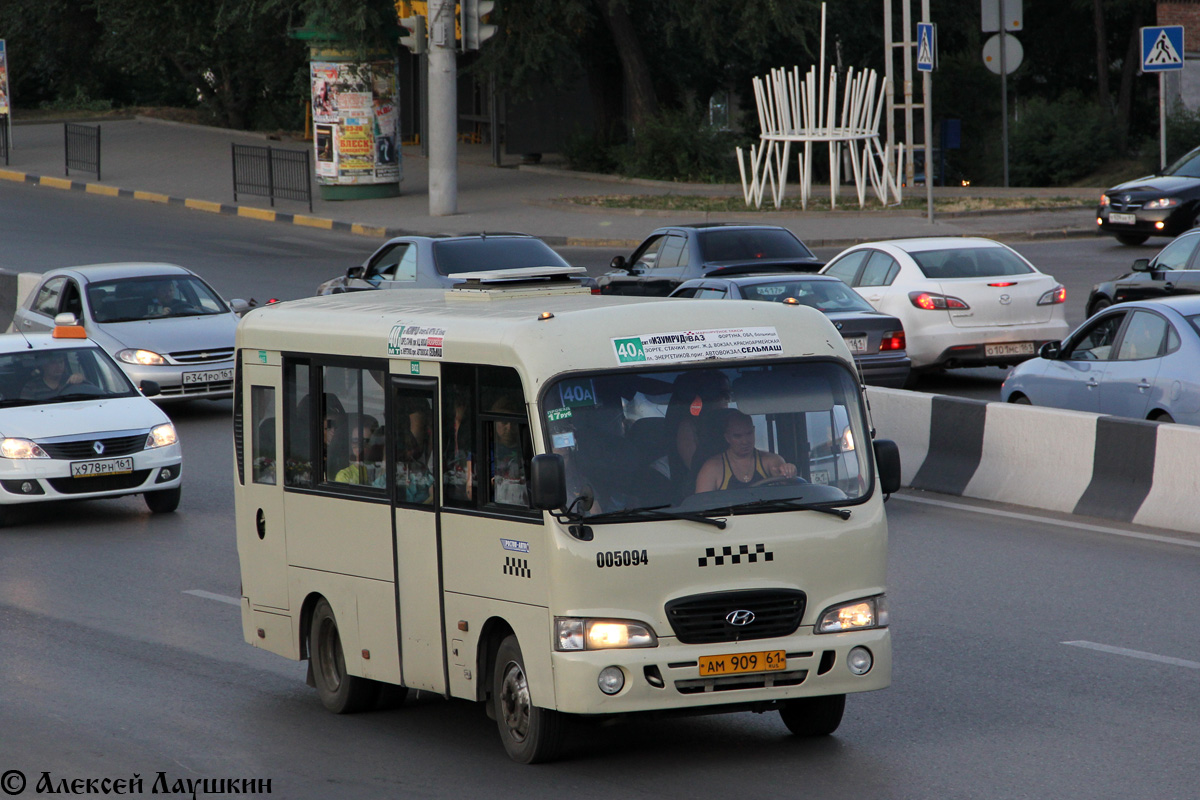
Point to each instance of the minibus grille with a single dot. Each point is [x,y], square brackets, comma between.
[706,618]
[85,448]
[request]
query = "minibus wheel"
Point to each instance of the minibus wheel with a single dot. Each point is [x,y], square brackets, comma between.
[813,716]
[339,692]
[530,734]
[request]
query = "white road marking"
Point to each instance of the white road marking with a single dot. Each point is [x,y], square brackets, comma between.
[1082,526]
[220,598]
[1122,651]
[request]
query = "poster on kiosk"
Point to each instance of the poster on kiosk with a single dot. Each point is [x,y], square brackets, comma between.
[4,93]
[356,123]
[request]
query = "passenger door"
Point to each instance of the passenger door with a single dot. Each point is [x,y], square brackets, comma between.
[1073,380]
[1164,273]
[39,316]
[1129,379]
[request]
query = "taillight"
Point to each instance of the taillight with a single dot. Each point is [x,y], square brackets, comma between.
[935,302]
[1053,297]
[892,340]
[595,290]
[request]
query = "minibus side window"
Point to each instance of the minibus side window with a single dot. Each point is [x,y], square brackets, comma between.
[299,423]
[262,434]
[459,421]
[352,408]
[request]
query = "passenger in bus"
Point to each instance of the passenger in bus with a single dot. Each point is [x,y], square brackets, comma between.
[509,469]
[359,434]
[696,399]
[742,464]
[459,477]
[414,467]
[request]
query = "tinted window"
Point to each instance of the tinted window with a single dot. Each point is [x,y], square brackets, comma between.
[262,433]
[881,270]
[647,257]
[1195,322]
[398,263]
[1176,254]
[1143,336]
[970,262]
[747,245]
[1187,167]
[1096,342]
[711,294]
[823,295]
[671,252]
[47,297]
[473,255]
[847,266]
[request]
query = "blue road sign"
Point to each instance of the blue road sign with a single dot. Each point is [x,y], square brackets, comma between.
[1162,48]
[926,46]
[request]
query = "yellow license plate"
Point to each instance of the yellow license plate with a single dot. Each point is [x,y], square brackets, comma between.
[735,663]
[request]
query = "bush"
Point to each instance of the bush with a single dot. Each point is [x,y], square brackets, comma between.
[678,146]
[1054,143]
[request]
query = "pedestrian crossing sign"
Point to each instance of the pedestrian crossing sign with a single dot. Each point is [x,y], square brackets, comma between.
[926,46]
[1162,48]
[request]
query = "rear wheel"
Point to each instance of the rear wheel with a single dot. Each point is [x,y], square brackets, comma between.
[530,734]
[814,716]
[1132,239]
[164,501]
[339,692]
[1161,416]
[1020,400]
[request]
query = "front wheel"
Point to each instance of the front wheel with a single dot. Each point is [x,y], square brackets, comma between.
[339,692]
[1098,306]
[530,734]
[1132,239]
[814,716]
[164,501]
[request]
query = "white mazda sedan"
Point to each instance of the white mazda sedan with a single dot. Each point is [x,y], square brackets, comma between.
[964,302]
[73,426]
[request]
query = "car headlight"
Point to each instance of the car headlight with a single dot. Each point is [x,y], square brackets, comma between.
[144,358]
[870,612]
[1104,200]
[161,436]
[1162,202]
[21,448]
[576,633]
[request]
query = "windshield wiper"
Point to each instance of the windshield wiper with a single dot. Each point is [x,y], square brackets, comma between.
[650,512]
[790,504]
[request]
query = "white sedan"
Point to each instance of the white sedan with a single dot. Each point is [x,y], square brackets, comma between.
[964,302]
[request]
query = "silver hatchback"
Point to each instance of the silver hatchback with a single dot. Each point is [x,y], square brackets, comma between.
[159,322]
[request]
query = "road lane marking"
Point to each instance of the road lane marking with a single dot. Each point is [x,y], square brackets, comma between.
[1122,651]
[1082,526]
[220,598]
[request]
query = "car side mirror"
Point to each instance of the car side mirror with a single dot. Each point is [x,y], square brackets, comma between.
[356,273]
[619,263]
[548,481]
[150,388]
[1141,265]
[887,459]
[240,306]
[1050,350]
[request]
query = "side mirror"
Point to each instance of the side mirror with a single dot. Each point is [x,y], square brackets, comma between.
[548,481]
[240,306]
[1050,350]
[150,388]
[887,459]
[619,263]
[356,273]
[1141,265]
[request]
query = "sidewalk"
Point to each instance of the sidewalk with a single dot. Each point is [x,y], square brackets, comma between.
[149,159]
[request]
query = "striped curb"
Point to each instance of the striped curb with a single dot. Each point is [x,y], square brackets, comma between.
[1068,461]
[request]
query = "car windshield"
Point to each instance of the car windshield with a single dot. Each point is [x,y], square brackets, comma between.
[155,297]
[751,244]
[822,295]
[1186,167]
[970,262]
[487,253]
[61,375]
[707,439]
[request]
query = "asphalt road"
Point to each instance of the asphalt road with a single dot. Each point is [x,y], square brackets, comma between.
[1034,658]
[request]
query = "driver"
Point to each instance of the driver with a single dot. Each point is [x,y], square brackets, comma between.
[53,379]
[741,464]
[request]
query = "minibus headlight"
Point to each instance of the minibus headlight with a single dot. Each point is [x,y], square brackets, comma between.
[21,448]
[161,436]
[576,633]
[870,612]
[144,358]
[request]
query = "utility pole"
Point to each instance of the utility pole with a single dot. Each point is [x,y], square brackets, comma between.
[443,110]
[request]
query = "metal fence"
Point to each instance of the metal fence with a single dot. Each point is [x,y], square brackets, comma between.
[82,147]
[270,172]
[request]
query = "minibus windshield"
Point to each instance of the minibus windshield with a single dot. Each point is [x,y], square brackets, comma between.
[761,437]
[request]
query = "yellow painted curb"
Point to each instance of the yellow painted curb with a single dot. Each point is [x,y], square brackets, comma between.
[95,188]
[153,197]
[256,213]
[203,205]
[313,222]
[57,183]
[9,175]
[367,230]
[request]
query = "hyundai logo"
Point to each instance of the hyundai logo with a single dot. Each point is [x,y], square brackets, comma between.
[1005,299]
[741,617]
[98,447]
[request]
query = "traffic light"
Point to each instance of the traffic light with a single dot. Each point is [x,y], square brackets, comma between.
[417,41]
[474,30]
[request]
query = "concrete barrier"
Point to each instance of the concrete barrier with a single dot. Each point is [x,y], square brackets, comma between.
[1070,461]
[14,288]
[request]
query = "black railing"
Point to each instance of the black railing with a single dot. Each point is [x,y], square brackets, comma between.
[270,172]
[82,147]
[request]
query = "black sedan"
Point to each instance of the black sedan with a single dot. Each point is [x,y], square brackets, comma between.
[1166,203]
[875,340]
[678,253]
[1174,271]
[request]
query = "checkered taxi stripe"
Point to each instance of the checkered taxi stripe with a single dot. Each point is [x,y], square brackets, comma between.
[517,566]
[743,552]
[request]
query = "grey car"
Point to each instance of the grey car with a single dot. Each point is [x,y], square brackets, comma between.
[431,262]
[159,322]
[1139,359]
[876,340]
